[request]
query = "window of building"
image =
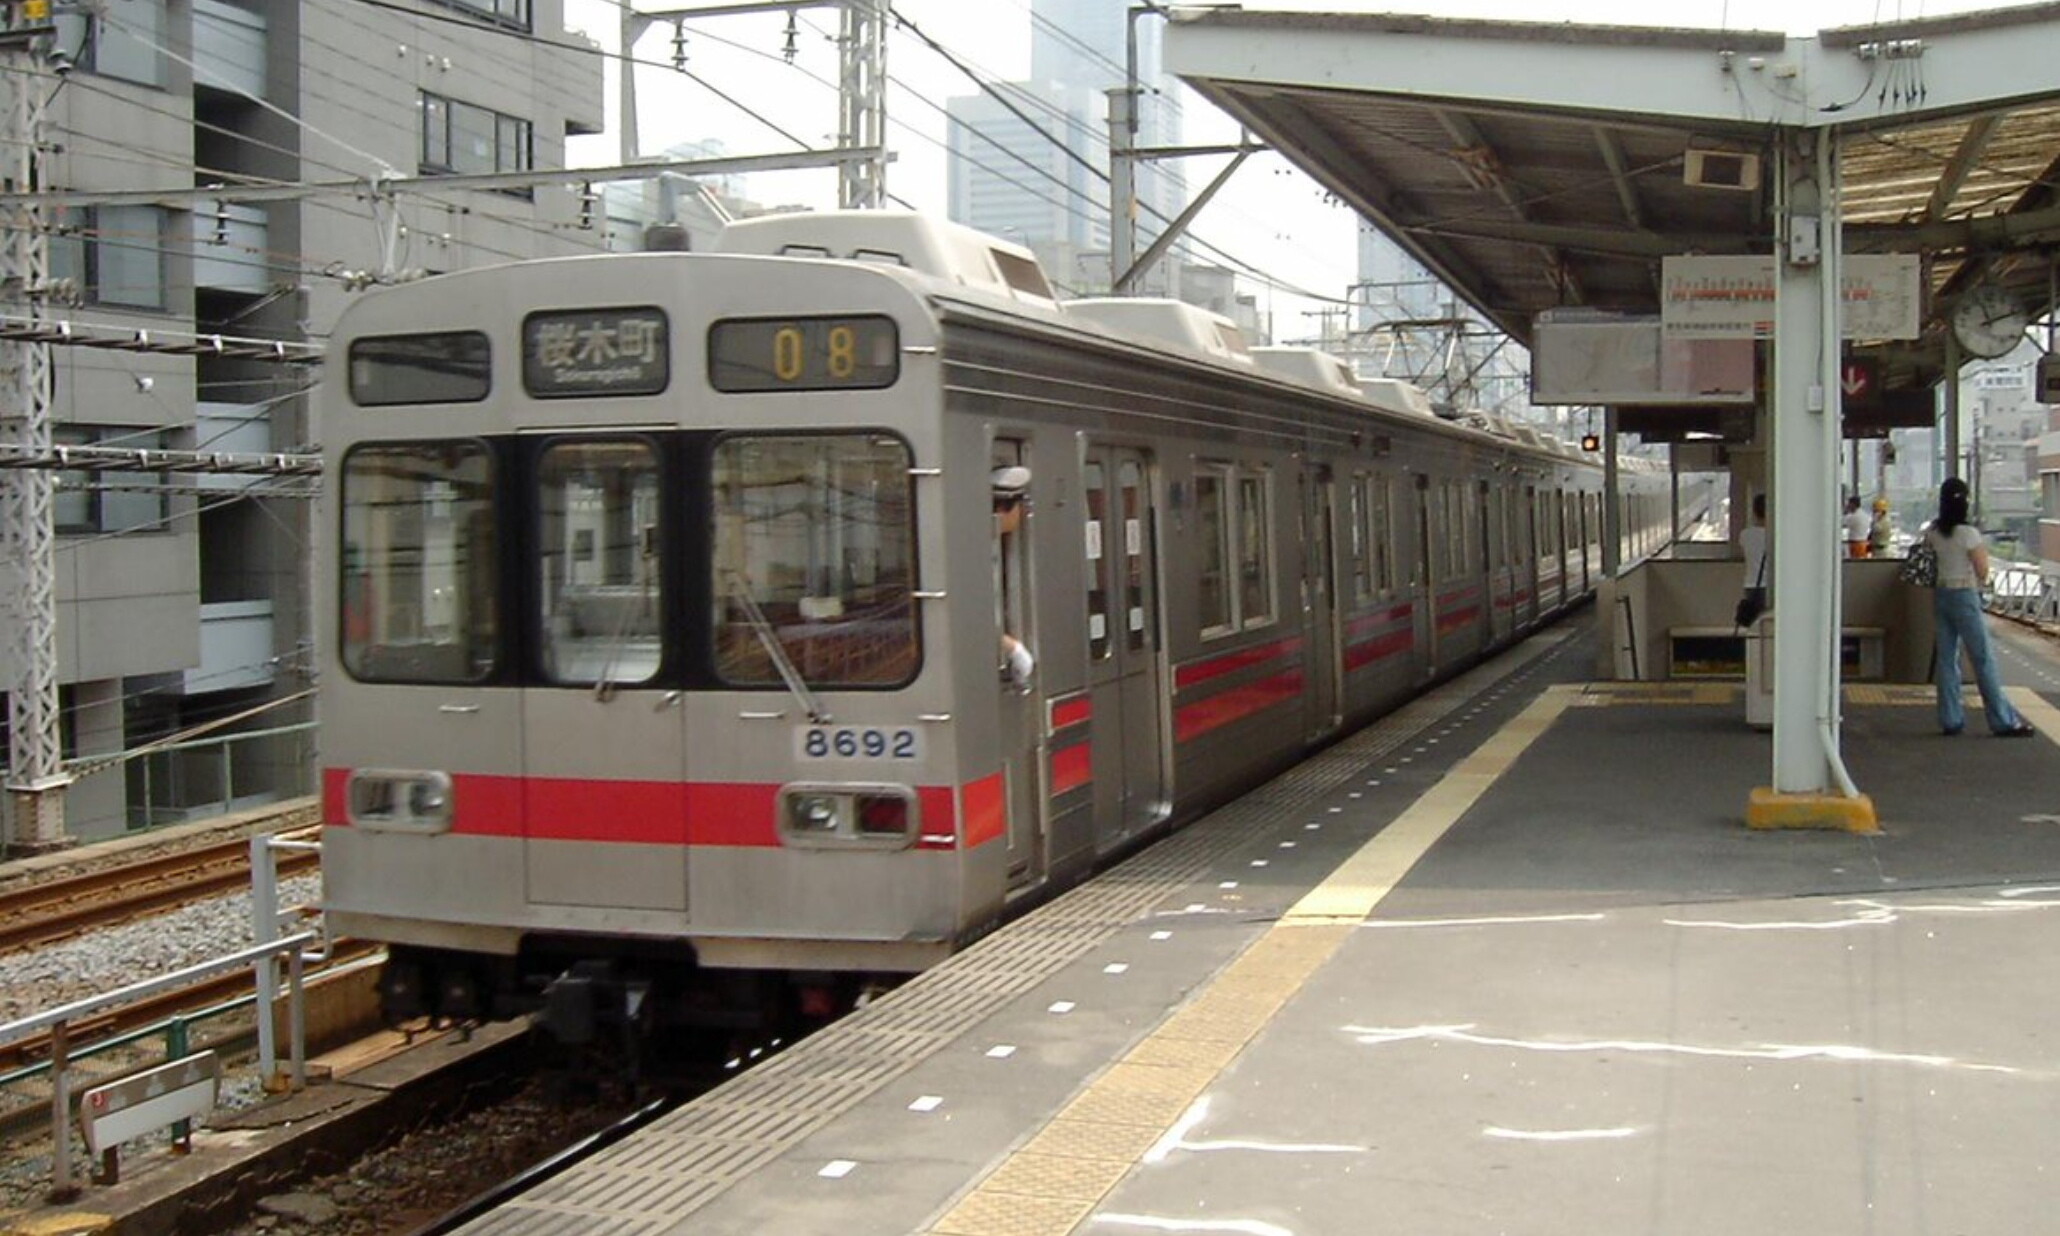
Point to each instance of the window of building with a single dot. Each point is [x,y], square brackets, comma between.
[814,560]
[466,139]
[418,569]
[127,43]
[113,255]
[598,577]
[88,503]
[513,14]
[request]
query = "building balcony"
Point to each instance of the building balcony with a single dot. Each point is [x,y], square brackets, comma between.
[235,647]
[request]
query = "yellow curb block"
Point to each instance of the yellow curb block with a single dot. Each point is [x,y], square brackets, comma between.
[65,1223]
[1768,809]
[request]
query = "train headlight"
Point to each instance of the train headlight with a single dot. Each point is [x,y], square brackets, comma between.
[869,816]
[400,800]
[813,813]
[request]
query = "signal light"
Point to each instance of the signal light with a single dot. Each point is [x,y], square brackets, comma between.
[885,815]
[1590,442]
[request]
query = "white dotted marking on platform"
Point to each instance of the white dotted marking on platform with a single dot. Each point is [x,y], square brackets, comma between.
[1001,1051]
[1061,1007]
[1228,884]
[1258,862]
[1162,935]
[837,1169]
[927,1103]
[1116,967]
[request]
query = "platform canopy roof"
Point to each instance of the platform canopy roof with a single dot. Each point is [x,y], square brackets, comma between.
[1535,166]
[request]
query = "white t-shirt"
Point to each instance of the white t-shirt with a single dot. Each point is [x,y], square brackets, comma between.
[1856,525]
[1752,542]
[1956,555]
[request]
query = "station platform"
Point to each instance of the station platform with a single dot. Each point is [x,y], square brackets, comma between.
[1508,961]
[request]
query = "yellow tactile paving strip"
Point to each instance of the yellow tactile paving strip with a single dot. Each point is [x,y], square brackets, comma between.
[1054,1180]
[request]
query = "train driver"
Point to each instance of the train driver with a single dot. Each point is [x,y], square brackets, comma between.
[1011,491]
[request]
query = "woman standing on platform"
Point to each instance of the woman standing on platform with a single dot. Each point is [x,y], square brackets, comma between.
[1962,573]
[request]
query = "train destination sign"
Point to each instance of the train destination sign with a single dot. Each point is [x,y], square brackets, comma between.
[595,352]
[803,354]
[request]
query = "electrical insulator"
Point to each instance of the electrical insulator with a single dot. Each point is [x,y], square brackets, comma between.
[587,198]
[793,45]
[679,46]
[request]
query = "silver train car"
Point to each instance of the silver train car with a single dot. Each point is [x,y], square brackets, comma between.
[666,671]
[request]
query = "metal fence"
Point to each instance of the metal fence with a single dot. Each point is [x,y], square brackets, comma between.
[2023,591]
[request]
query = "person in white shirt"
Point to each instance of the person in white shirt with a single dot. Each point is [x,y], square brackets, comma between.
[1011,490]
[1857,526]
[1752,543]
[1956,601]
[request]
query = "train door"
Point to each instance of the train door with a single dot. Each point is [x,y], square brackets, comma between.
[1496,585]
[1125,678]
[1019,725]
[1425,574]
[1527,565]
[1325,669]
[604,746]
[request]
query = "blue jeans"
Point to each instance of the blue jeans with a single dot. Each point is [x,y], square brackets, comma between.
[1960,619]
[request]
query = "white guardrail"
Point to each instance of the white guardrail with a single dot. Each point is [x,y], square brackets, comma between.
[2021,590]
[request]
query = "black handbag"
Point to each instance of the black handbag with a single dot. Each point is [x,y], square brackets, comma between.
[1754,602]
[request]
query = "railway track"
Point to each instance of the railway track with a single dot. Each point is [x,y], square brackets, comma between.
[58,909]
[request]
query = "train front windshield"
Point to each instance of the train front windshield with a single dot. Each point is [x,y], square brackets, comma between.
[808,564]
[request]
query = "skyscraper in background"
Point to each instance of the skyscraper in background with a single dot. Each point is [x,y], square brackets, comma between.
[1027,169]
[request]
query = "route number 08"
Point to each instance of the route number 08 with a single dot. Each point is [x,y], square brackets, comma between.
[790,353]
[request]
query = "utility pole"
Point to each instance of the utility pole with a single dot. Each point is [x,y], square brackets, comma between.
[862,103]
[35,776]
[861,154]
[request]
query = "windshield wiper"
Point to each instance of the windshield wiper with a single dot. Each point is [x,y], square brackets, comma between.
[755,617]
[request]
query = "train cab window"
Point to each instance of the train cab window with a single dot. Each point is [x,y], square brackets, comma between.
[599,554]
[814,560]
[418,579]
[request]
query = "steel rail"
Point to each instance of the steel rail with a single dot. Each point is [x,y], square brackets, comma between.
[58,909]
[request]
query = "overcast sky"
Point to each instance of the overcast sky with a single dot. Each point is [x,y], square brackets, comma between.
[1270,215]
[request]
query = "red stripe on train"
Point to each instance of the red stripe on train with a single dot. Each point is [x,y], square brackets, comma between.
[1071,712]
[712,815]
[1071,768]
[1369,651]
[987,814]
[1191,721]
[1231,662]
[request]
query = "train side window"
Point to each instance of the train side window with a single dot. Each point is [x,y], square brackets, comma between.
[1255,549]
[814,562]
[1213,596]
[1357,543]
[598,563]
[418,562]
[1380,538]
[1099,645]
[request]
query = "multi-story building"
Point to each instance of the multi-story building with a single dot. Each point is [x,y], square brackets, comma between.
[186,604]
[1021,169]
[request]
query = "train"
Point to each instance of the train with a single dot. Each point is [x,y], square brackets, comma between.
[712,635]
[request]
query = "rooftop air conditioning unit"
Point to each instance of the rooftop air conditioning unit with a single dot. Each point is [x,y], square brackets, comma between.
[1721,169]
